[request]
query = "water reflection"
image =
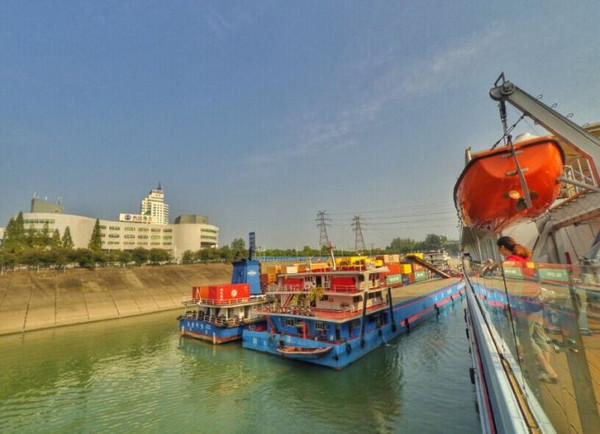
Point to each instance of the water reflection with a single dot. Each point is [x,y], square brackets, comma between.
[139,375]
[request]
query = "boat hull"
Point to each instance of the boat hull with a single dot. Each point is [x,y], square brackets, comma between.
[344,353]
[489,194]
[210,332]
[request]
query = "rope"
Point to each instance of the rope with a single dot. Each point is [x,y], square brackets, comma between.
[508,131]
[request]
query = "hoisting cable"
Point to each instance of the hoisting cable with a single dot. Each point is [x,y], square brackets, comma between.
[526,195]
[509,130]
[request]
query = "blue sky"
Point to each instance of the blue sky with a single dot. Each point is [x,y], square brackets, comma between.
[260,114]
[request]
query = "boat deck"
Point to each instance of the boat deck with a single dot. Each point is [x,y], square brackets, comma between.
[567,402]
[572,404]
[405,293]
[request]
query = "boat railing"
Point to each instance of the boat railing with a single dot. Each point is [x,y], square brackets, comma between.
[302,311]
[337,313]
[220,320]
[221,302]
[580,171]
[546,321]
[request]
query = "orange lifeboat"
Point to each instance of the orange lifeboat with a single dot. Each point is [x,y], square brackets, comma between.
[488,193]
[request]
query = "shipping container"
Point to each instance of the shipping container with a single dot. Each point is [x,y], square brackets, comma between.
[389,259]
[319,266]
[394,269]
[393,279]
[228,291]
[302,268]
[273,269]
[421,275]
[200,292]
[406,268]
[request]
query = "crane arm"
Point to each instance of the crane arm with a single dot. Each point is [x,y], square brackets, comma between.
[554,122]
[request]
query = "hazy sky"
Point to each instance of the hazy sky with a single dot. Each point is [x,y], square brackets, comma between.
[259,114]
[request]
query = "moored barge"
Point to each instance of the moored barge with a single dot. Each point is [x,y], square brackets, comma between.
[220,313]
[333,317]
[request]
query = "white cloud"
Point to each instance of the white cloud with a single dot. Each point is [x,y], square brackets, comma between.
[368,88]
[442,67]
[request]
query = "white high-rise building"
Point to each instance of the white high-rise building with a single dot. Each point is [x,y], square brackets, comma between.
[154,205]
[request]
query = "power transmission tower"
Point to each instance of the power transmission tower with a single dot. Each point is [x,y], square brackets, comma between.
[359,241]
[322,223]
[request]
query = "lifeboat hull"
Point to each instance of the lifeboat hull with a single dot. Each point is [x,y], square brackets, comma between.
[488,193]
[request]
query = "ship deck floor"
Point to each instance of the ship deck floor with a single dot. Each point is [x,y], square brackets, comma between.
[559,400]
[572,403]
[404,293]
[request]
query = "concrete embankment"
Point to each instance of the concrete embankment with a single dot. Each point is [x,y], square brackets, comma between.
[31,301]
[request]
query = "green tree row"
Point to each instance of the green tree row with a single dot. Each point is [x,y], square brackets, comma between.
[236,250]
[431,242]
[42,248]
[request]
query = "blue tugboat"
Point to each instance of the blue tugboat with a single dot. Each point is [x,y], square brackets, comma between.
[220,313]
[333,317]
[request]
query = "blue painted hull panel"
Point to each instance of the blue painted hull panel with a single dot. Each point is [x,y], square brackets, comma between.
[208,331]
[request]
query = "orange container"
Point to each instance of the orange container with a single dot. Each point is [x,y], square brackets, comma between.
[393,269]
[199,292]
[228,291]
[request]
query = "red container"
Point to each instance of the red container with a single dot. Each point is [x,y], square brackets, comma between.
[228,291]
[393,269]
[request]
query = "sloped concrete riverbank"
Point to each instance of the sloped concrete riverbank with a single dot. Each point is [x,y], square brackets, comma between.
[32,300]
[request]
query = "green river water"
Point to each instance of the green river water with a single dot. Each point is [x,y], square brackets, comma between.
[138,375]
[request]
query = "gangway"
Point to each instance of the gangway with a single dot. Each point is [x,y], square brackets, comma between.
[428,265]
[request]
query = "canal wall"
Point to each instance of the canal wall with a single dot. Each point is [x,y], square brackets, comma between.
[38,300]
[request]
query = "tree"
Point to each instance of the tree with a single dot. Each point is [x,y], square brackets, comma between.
[402,245]
[238,244]
[95,243]
[55,243]
[124,257]
[33,257]
[157,256]
[188,257]
[42,238]
[7,259]
[140,255]
[84,257]
[67,241]
[15,239]
[433,242]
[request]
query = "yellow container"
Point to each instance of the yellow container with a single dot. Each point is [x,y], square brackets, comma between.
[405,268]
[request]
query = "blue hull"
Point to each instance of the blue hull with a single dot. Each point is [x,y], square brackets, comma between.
[344,353]
[210,332]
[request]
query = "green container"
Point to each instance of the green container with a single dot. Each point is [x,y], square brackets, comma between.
[393,279]
[421,275]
